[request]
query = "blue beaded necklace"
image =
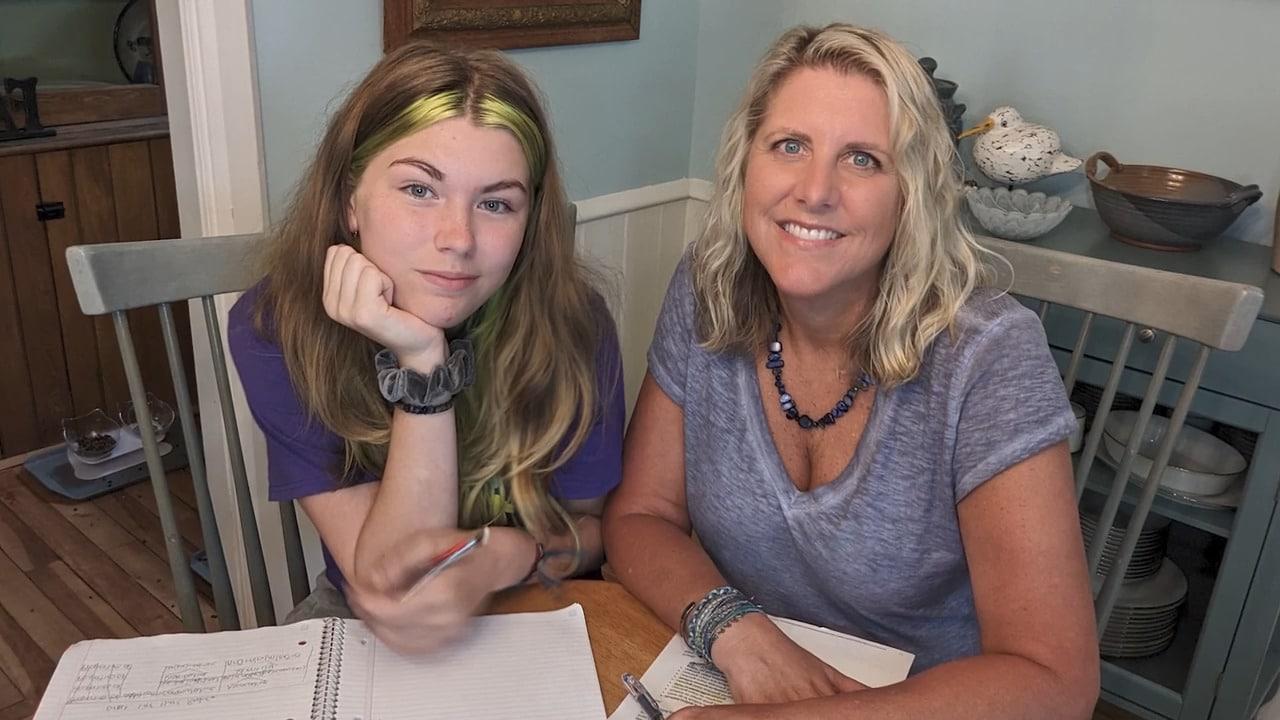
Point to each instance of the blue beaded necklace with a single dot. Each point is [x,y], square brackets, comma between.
[773,361]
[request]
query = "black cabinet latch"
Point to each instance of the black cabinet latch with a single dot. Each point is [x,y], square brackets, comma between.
[50,211]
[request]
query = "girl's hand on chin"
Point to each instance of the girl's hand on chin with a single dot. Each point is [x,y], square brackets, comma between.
[359,295]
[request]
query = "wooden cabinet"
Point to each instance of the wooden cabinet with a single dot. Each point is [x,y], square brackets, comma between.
[112,182]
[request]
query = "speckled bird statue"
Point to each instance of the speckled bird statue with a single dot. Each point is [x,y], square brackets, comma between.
[1013,151]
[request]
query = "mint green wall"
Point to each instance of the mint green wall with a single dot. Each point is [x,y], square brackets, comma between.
[1186,83]
[622,112]
[59,40]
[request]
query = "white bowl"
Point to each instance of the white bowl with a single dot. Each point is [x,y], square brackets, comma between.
[1201,464]
[1016,214]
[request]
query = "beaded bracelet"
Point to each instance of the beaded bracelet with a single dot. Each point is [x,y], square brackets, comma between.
[702,622]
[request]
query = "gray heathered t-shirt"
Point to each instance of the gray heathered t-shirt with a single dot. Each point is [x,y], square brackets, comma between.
[876,552]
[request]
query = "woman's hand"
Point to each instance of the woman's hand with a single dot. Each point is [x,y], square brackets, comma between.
[359,295]
[763,665]
[436,613]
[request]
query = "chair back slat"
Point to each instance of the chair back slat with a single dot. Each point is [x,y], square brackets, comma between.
[1094,439]
[1077,353]
[299,584]
[259,585]
[223,599]
[188,604]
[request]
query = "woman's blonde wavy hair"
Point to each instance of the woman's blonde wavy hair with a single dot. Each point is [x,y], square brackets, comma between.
[933,262]
[535,395]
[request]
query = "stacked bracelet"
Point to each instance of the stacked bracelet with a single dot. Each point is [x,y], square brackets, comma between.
[705,620]
[427,394]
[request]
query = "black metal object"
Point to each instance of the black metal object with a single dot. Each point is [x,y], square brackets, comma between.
[31,128]
[50,211]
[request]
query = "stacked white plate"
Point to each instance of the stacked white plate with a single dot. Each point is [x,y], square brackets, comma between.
[1145,617]
[1147,554]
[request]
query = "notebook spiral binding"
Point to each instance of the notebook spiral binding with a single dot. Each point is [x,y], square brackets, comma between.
[324,702]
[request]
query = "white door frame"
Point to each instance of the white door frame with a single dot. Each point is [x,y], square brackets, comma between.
[211,91]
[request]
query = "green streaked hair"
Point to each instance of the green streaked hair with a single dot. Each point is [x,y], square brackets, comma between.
[535,398]
[489,111]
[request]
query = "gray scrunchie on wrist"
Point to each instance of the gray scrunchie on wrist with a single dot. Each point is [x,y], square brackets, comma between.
[409,387]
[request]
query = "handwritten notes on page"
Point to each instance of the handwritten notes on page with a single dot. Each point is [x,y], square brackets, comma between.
[678,678]
[265,673]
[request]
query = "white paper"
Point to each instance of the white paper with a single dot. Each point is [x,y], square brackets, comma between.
[533,666]
[264,673]
[678,678]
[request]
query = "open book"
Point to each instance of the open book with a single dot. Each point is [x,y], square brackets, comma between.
[528,665]
[679,678]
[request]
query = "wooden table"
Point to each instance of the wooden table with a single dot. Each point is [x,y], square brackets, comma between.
[625,636]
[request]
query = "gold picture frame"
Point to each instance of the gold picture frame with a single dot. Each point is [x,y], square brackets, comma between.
[510,24]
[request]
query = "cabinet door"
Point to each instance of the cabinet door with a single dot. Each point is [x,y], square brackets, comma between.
[45,395]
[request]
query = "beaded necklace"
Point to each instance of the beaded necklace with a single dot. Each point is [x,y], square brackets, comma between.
[773,361]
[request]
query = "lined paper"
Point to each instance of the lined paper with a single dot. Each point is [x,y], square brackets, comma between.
[266,673]
[533,666]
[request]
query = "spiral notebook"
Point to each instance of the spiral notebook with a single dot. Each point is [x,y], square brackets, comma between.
[537,666]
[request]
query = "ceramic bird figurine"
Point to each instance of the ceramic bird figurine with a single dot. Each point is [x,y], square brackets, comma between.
[1013,151]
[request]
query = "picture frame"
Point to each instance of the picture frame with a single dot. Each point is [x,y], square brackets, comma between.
[508,24]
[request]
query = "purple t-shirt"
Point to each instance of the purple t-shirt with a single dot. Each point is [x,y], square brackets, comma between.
[304,456]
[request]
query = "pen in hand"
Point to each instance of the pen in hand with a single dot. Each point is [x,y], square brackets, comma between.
[444,560]
[646,701]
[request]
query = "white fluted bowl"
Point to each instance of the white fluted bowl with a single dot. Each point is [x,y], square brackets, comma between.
[1016,214]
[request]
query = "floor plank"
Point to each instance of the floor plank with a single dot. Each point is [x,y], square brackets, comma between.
[135,519]
[95,567]
[9,693]
[182,487]
[152,574]
[89,519]
[22,660]
[186,518]
[41,620]
[23,546]
[18,711]
[84,607]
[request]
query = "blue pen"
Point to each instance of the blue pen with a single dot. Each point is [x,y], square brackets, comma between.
[642,696]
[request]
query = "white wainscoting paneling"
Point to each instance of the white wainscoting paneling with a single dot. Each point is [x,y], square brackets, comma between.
[636,247]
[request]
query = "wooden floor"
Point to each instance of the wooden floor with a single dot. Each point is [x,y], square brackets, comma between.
[76,570]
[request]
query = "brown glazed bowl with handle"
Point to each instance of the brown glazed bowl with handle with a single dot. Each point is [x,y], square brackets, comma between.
[1165,208]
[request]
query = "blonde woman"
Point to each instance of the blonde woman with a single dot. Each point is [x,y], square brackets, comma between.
[860,436]
[425,355]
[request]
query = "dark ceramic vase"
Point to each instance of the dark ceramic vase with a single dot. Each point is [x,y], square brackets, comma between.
[952,111]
